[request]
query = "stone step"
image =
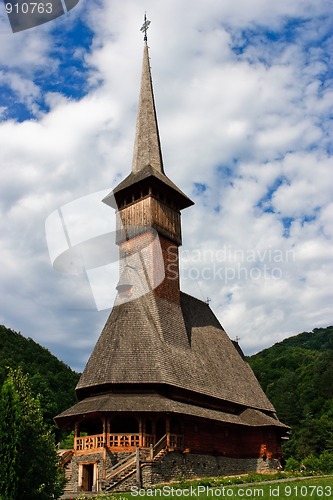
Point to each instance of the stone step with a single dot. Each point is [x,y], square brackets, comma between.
[68,476]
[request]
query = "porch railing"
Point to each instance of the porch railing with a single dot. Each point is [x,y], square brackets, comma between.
[89,443]
[176,441]
[127,441]
[123,440]
[149,440]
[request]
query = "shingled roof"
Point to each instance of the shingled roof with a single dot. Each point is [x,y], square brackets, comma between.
[137,178]
[156,403]
[153,341]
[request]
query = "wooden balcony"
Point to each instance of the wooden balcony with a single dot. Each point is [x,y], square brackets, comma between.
[123,442]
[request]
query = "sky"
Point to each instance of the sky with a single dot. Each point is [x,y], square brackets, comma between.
[244,97]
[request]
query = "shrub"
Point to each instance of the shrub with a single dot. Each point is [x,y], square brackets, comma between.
[311,463]
[291,464]
[326,461]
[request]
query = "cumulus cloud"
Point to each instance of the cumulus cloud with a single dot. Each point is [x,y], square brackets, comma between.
[244,98]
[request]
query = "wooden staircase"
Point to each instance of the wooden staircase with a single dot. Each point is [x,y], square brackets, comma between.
[159,450]
[68,475]
[128,466]
[120,471]
[65,457]
[160,455]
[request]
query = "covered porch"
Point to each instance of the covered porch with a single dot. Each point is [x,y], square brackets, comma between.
[127,432]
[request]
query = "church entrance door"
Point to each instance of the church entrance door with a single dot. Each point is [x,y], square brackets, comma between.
[87,477]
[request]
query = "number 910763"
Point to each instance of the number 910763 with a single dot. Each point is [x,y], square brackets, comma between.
[29,8]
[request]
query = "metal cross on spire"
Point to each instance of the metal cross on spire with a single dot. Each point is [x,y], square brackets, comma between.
[145,27]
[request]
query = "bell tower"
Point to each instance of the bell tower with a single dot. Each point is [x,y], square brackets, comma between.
[148,206]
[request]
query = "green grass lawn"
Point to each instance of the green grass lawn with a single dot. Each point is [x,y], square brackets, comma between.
[312,488]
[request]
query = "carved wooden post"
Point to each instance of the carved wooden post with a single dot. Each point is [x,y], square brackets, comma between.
[105,441]
[153,428]
[167,428]
[104,430]
[140,432]
[76,433]
[137,464]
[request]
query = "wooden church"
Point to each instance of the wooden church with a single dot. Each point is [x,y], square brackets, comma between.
[165,392]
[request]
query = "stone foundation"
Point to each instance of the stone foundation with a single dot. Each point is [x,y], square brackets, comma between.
[179,466]
[174,466]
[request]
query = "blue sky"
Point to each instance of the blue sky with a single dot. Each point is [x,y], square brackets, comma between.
[244,95]
[69,41]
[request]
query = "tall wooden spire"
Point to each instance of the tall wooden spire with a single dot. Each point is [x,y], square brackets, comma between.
[147,166]
[147,146]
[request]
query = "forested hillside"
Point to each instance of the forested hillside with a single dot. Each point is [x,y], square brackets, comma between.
[297,376]
[49,377]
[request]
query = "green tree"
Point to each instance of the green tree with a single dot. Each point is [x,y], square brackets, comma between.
[68,442]
[296,375]
[10,429]
[49,378]
[36,460]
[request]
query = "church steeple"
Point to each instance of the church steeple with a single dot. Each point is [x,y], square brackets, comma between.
[147,146]
[147,165]
[148,205]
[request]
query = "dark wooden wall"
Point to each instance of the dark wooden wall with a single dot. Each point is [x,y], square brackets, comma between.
[231,441]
